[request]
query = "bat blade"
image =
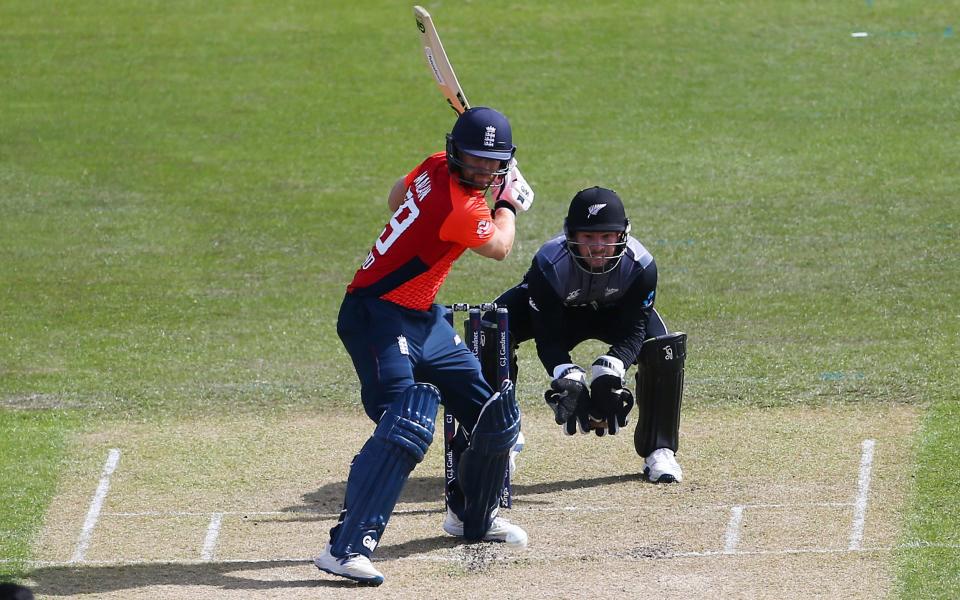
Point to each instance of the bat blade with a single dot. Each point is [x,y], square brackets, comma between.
[437,61]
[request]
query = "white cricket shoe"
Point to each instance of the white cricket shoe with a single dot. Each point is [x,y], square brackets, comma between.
[514,453]
[662,467]
[356,567]
[501,530]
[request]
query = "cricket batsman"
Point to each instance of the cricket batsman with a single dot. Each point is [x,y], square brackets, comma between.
[409,359]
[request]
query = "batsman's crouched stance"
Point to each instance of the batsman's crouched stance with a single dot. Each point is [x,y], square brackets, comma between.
[409,359]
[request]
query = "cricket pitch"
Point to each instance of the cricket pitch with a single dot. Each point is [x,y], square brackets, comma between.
[775,503]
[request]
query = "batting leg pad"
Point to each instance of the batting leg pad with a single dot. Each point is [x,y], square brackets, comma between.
[381,469]
[484,462]
[660,393]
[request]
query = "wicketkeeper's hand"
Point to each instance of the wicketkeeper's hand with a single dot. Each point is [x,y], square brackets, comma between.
[569,398]
[611,401]
[515,189]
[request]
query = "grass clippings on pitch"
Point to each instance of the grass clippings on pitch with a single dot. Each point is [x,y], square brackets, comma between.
[277,485]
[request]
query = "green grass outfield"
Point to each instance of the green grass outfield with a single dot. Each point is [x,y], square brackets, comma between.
[185,188]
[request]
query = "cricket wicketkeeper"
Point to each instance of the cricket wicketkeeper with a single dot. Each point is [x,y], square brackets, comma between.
[597,282]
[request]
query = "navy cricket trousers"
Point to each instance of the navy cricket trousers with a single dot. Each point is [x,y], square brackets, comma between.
[392,347]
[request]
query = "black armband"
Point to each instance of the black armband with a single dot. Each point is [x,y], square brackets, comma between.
[504,204]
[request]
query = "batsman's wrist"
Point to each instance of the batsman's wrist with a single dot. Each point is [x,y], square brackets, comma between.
[504,204]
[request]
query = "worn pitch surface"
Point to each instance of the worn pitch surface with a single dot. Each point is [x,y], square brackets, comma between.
[779,503]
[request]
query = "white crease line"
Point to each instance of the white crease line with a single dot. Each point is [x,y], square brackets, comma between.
[184,513]
[213,532]
[549,557]
[113,457]
[863,492]
[518,556]
[732,537]
[421,511]
[798,505]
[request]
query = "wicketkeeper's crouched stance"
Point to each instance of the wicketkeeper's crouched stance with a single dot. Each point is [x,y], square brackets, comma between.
[408,357]
[597,282]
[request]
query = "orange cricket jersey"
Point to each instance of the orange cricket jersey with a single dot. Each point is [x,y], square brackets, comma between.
[436,222]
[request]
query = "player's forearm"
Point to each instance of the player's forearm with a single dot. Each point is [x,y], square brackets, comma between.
[547,322]
[628,349]
[634,311]
[551,354]
[506,222]
[498,247]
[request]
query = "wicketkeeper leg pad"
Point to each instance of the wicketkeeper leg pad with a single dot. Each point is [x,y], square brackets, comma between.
[483,463]
[660,393]
[381,469]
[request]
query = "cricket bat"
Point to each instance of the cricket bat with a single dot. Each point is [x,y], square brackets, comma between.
[449,86]
[438,62]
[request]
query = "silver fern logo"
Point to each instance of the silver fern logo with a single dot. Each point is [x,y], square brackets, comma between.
[593,209]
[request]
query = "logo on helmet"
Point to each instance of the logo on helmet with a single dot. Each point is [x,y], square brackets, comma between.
[594,209]
[490,137]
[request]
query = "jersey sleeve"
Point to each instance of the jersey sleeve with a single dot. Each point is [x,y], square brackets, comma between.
[636,306]
[426,165]
[469,223]
[546,319]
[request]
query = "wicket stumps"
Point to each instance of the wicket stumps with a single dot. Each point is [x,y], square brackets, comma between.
[474,337]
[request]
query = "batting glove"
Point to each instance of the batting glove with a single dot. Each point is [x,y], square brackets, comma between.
[515,189]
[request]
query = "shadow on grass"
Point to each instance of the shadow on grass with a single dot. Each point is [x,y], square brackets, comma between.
[103,579]
[329,498]
[97,579]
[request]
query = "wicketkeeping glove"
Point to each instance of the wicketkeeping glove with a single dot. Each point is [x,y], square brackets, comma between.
[515,189]
[569,398]
[610,400]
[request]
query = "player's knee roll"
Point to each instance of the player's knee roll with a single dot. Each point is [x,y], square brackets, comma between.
[498,426]
[660,392]
[409,423]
